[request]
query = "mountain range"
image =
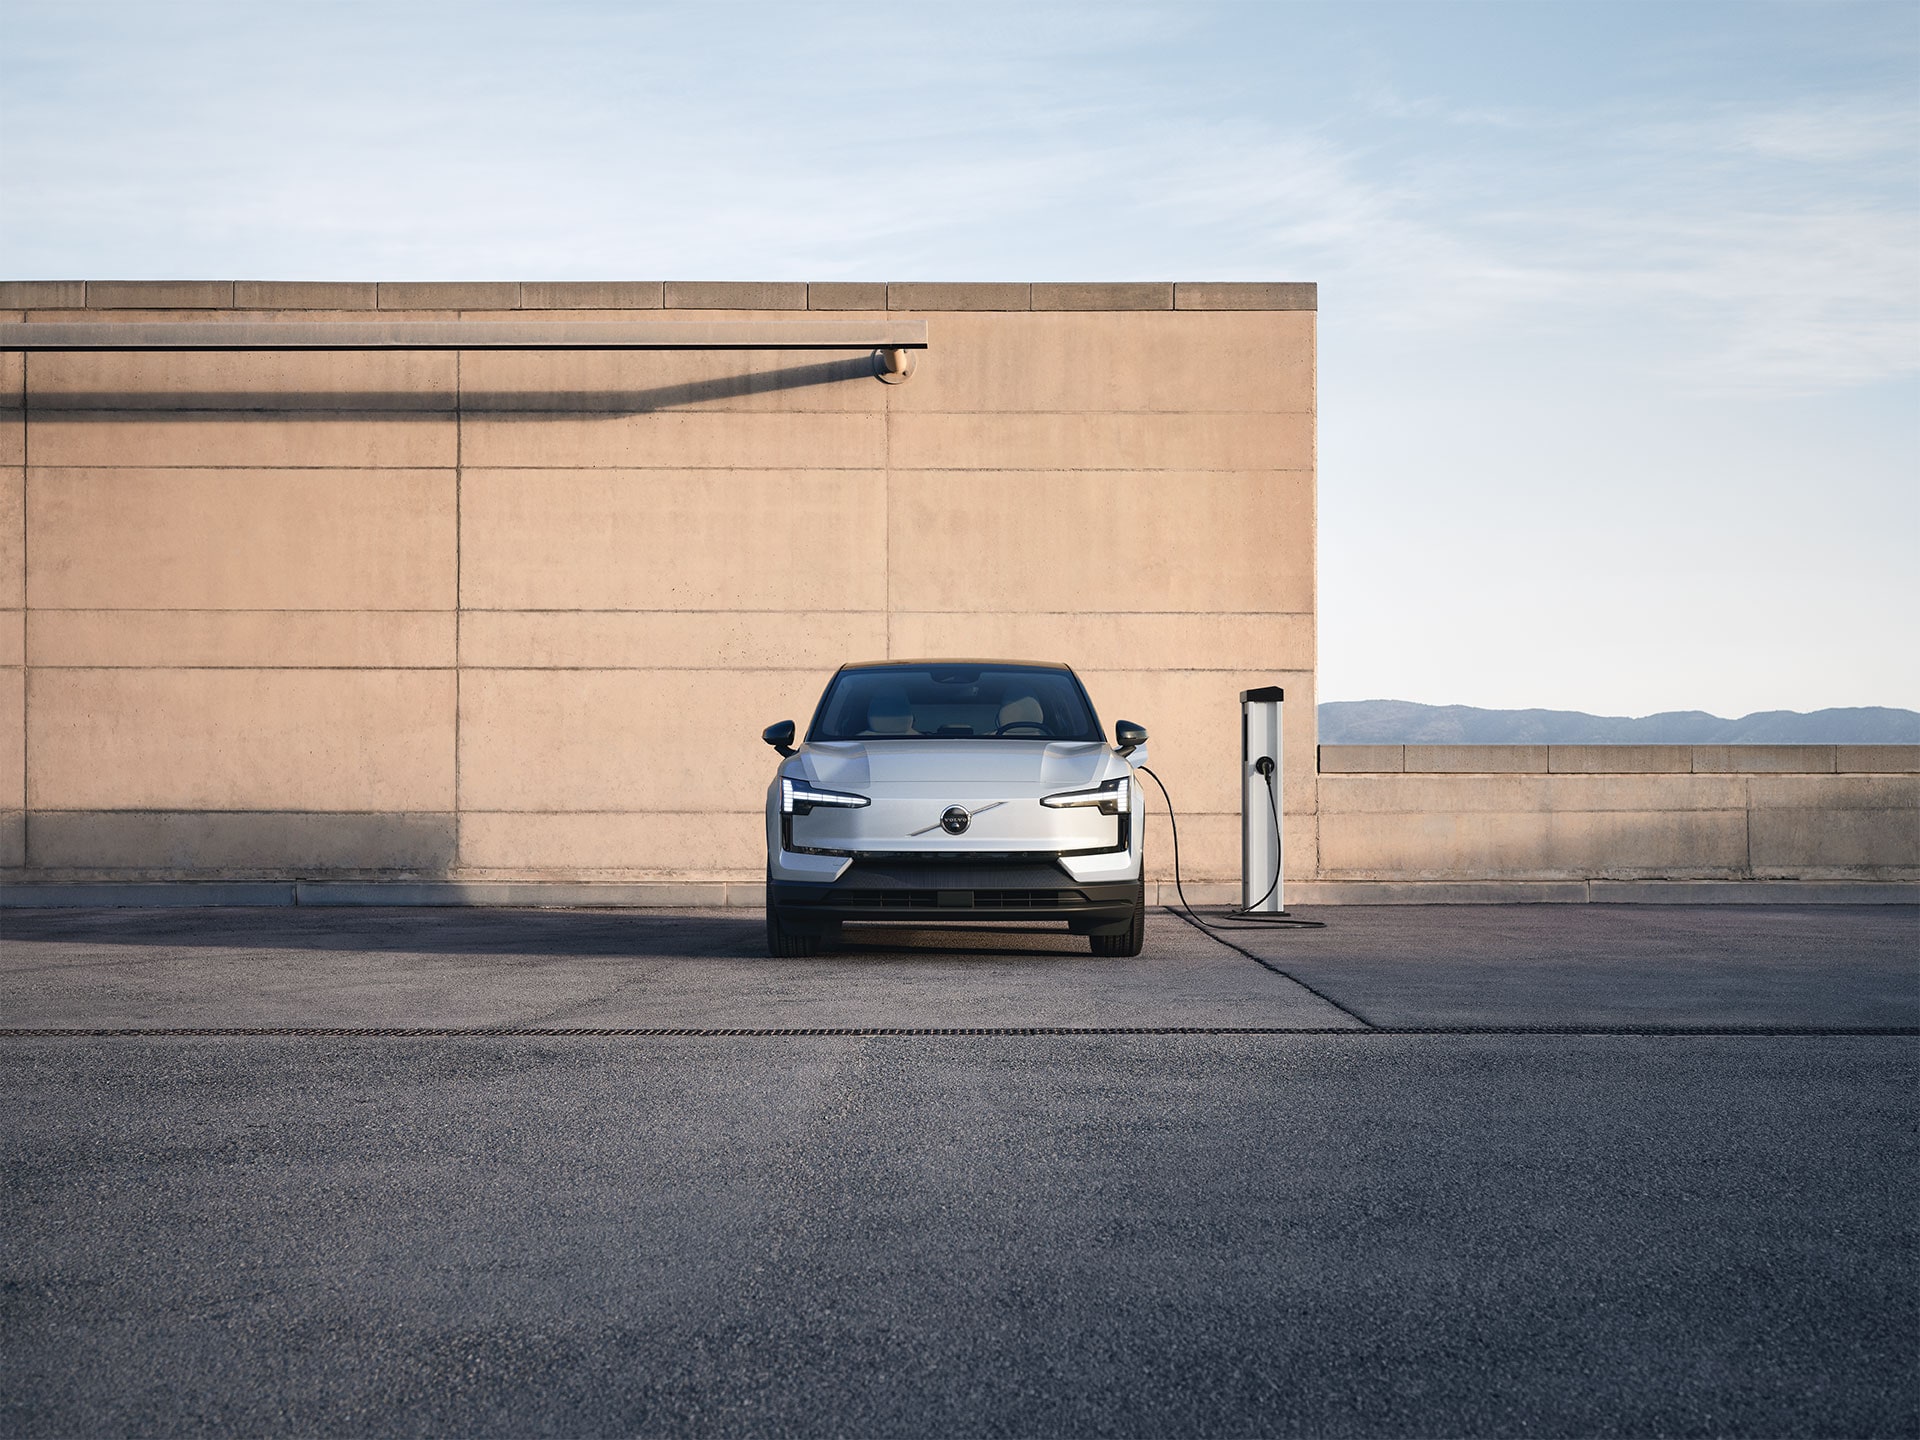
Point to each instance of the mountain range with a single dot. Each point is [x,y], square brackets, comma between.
[1403,722]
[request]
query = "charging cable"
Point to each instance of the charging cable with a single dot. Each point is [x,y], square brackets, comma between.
[1278,918]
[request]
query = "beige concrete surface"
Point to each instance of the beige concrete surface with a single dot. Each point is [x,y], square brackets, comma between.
[13,738]
[13,537]
[675,441]
[186,385]
[664,539]
[1093,440]
[1773,813]
[247,539]
[813,640]
[379,740]
[256,439]
[13,637]
[222,639]
[160,844]
[1226,540]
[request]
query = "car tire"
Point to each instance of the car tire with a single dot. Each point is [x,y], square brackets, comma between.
[1131,940]
[785,944]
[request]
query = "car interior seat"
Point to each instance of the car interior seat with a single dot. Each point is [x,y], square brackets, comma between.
[1023,710]
[890,714]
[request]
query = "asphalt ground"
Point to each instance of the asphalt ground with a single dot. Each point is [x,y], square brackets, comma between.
[1482,1171]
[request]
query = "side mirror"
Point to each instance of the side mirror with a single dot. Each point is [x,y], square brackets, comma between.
[780,736]
[1128,736]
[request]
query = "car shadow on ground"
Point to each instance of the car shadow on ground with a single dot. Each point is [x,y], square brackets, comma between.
[624,934]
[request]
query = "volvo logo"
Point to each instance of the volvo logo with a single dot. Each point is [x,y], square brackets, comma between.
[956,818]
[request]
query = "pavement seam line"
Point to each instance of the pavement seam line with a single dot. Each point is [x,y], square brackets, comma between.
[507,1032]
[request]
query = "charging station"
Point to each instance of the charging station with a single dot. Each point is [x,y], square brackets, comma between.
[1262,883]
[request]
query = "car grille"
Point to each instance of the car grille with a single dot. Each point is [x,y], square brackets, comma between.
[931,873]
[953,899]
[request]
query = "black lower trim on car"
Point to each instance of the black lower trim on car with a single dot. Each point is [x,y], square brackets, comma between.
[1004,888]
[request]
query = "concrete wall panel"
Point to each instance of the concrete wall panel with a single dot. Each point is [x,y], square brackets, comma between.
[673,440]
[1877,759]
[661,540]
[13,415]
[1532,844]
[13,738]
[241,539]
[1113,363]
[1501,794]
[622,740]
[241,740]
[13,839]
[226,381]
[13,637]
[1189,541]
[636,383]
[697,640]
[616,845]
[348,440]
[240,844]
[338,639]
[1476,759]
[13,537]
[1105,640]
[1099,440]
[1853,843]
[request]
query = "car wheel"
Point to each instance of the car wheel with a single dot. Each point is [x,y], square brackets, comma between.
[1131,940]
[786,944]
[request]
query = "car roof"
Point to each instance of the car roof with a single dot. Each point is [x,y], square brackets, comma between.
[953,660]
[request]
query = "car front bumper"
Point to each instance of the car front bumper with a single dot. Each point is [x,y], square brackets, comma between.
[916,891]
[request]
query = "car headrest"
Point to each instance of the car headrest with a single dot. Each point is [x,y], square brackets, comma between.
[1026,709]
[890,714]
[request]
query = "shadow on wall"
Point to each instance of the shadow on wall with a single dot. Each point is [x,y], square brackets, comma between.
[160,845]
[184,407]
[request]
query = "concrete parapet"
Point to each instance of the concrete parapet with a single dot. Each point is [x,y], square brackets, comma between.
[159,294]
[1620,759]
[970,296]
[592,295]
[1147,295]
[43,294]
[1786,818]
[1215,295]
[1877,759]
[847,295]
[305,295]
[449,295]
[613,295]
[736,295]
[1477,759]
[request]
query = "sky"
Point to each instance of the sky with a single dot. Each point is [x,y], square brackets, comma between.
[1619,302]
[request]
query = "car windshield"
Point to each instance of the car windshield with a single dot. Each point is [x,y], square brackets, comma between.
[964,702]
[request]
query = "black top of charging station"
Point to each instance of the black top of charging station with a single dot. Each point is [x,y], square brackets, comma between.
[1265,692]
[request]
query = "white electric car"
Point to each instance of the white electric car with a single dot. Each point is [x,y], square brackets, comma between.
[955,790]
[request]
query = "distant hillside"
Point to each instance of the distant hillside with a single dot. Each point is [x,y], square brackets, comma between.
[1402,722]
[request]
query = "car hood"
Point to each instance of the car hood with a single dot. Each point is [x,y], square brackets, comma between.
[862,765]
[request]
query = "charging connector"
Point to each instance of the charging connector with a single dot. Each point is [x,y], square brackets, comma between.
[1280,918]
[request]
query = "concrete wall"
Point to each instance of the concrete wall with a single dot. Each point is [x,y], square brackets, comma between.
[1547,821]
[521,616]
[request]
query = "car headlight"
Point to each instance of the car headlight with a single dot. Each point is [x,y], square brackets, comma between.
[1113,798]
[797,798]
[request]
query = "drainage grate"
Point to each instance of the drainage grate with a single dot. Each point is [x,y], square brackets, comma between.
[504,1032]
